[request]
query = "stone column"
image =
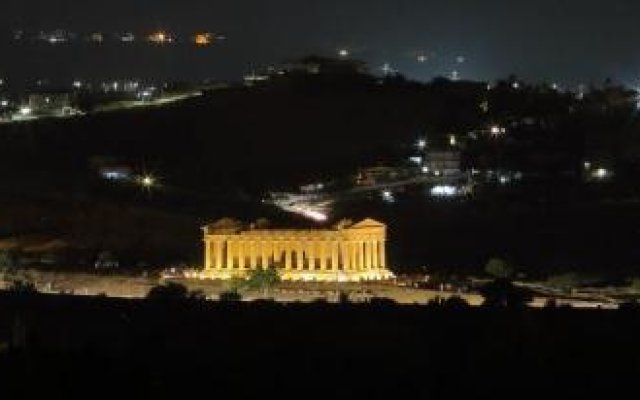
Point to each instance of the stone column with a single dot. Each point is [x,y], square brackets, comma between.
[365,254]
[287,255]
[213,253]
[240,253]
[249,249]
[383,254]
[353,255]
[264,262]
[229,254]
[257,252]
[334,256]
[273,251]
[372,257]
[299,255]
[217,264]
[323,255]
[328,255]
[279,253]
[311,255]
[252,254]
[344,254]
[207,254]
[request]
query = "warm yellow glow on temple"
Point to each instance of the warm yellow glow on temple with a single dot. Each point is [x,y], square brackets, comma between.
[346,252]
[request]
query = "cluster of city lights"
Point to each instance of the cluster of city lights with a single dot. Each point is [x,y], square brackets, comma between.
[388,197]
[497,130]
[444,191]
[61,36]
[597,173]
[145,180]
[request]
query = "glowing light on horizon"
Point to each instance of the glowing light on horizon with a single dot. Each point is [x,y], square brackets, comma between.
[388,196]
[160,37]
[601,173]
[497,130]
[202,39]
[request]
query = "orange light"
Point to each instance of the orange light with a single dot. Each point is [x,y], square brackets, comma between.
[202,39]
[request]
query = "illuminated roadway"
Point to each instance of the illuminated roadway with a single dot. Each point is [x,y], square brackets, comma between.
[316,206]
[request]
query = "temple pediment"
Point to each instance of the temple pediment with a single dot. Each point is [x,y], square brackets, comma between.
[367,223]
[224,224]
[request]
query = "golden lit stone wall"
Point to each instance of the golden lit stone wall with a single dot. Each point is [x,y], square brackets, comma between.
[348,252]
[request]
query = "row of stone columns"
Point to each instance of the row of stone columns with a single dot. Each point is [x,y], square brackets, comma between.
[310,255]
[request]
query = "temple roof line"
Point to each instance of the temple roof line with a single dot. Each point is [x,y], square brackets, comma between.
[233,225]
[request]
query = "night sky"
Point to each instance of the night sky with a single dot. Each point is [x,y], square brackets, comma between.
[568,41]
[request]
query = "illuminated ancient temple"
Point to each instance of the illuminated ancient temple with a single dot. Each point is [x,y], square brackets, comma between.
[346,252]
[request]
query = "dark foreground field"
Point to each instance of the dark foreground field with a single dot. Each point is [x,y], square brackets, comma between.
[84,347]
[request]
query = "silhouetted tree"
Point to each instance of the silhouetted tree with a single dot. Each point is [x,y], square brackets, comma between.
[230,296]
[237,284]
[168,291]
[263,279]
[634,285]
[198,295]
[22,287]
[499,268]
[7,259]
[629,306]
[567,281]
[382,302]
[343,297]
[456,302]
[503,293]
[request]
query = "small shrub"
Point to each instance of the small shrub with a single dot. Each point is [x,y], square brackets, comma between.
[230,296]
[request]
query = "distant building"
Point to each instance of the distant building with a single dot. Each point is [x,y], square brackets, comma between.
[96,37]
[5,108]
[56,36]
[160,37]
[203,39]
[111,169]
[256,77]
[443,162]
[346,252]
[314,65]
[116,173]
[597,171]
[375,175]
[121,86]
[126,37]
[312,188]
[50,104]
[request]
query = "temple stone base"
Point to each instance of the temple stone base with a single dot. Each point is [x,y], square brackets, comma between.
[303,276]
